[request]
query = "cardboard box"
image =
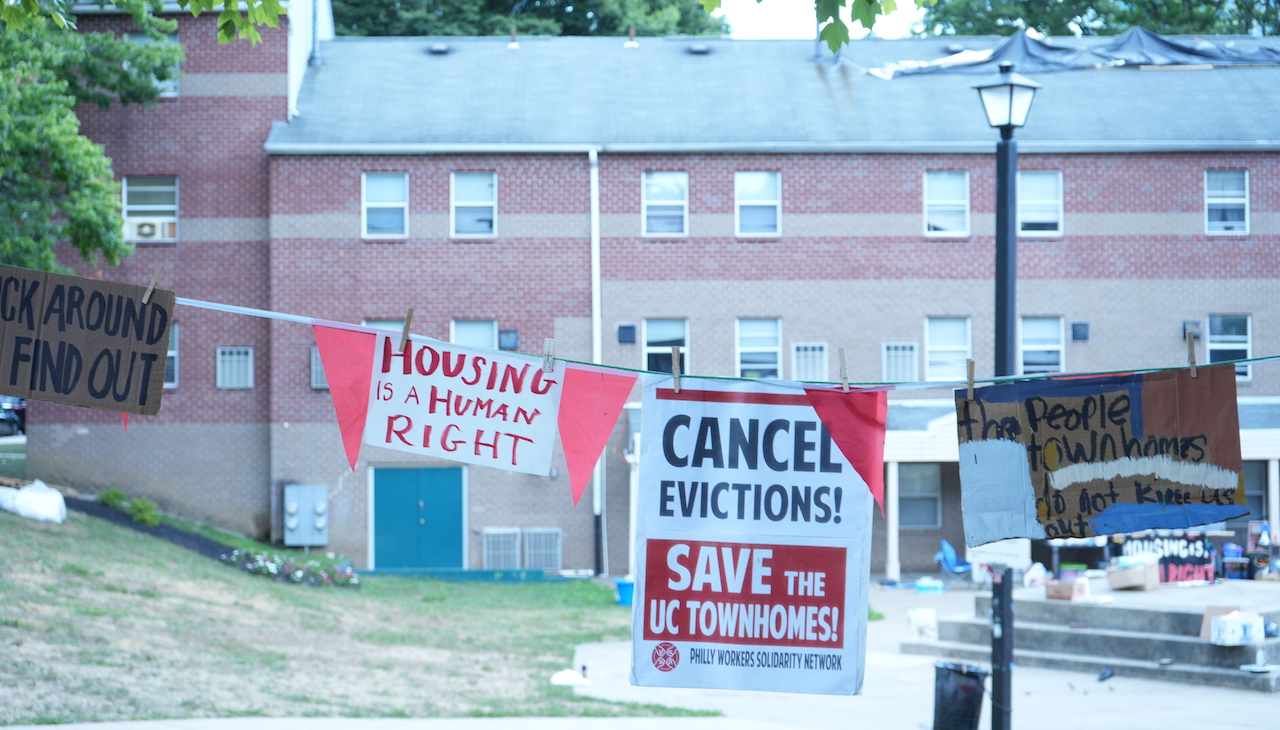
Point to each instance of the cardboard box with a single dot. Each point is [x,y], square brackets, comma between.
[1206,624]
[1237,628]
[1061,590]
[1143,577]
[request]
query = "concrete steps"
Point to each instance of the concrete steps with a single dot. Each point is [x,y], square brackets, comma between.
[1146,642]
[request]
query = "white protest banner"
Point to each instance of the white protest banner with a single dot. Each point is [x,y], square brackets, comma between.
[753,542]
[464,404]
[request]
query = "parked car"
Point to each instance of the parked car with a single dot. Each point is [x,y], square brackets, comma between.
[15,410]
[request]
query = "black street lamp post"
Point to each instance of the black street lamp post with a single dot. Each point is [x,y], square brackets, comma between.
[1007,101]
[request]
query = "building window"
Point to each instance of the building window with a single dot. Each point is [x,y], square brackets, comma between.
[1255,494]
[1229,339]
[318,379]
[150,208]
[666,203]
[899,362]
[946,203]
[165,88]
[1041,344]
[946,342]
[759,348]
[386,205]
[475,333]
[920,496]
[660,335]
[1040,203]
[809,361]
[1226,201]
[475,204]
[171,359]
[235,368]
[758,197]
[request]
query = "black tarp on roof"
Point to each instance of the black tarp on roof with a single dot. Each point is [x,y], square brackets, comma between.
[1139,46]
[1134,47]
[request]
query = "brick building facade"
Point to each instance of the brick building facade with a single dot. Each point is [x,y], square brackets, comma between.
[760,236]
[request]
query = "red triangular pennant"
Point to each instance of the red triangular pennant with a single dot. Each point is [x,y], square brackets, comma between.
[347,357]
[856,422]
[125,421]
[590,403]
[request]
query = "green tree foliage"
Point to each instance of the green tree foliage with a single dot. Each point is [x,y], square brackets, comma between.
[528,17]
[56,185]
[1102,17]
[233,21]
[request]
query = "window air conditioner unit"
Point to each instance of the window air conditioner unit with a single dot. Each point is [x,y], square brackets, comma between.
[151,229]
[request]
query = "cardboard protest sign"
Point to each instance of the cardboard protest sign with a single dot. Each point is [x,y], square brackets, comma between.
[464,404]
[1096,456]
[82,342]
[753,542]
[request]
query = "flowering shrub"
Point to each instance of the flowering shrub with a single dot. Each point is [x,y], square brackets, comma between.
[287,569]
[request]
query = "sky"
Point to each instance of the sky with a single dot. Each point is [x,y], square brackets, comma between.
[795,19]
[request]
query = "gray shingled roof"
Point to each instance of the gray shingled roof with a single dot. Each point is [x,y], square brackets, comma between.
[392,95]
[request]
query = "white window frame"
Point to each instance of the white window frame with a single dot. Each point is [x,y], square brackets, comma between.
[165,216]
[172,356]
[740,349]
[810,354]
[1211,199]
[456,202]
[1025,201]
[965,351]
[645,203]
[1215,343]
[910,355]
[167,89]
[740,203]
[366,205]
[910,488]
[931,204]
[319,381]
[239,358]
[1024,347]
[665,349]
[493,332]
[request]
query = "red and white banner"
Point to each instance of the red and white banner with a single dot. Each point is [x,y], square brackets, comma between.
[753,532]
[464,404]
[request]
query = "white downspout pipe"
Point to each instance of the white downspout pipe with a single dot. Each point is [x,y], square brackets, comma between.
[892,563]
[597,353]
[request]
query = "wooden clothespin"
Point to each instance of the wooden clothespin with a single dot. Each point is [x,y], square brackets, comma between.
[1191,353]
[969,368]
[548,355]
[675,366]
[844,371]
[404,334]
[146,296]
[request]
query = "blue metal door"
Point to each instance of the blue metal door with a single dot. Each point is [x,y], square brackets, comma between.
[418,519]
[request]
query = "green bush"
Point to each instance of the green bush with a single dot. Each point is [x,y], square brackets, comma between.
[144,511]
[113,498]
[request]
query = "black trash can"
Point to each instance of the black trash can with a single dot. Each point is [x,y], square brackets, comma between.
[957,696]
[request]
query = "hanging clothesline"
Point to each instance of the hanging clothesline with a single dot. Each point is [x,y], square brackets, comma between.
[865,387]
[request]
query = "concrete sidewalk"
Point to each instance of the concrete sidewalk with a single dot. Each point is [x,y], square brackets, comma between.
[897,693]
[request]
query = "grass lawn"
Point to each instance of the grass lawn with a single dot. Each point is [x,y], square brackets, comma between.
[98,623]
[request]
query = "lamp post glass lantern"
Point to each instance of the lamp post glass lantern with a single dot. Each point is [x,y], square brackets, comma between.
[1006,100]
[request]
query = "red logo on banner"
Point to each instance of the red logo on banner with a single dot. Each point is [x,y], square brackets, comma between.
[666,656]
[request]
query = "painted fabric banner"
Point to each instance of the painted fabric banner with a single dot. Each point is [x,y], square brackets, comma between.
[1097,456]
[465,404]
[753,541]
[83,342]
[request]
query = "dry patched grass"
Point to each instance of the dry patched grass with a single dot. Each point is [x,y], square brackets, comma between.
[100,623]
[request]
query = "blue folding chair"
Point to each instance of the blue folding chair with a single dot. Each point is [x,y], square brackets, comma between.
[954,567]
